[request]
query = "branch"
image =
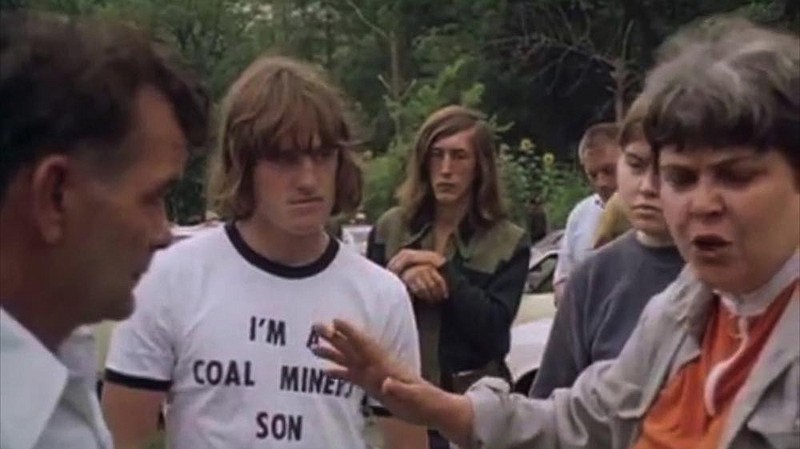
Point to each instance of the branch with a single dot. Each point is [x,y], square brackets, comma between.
[570,90]
[567,25]
[557,75]
[546,42]
[366,22]
[626,40]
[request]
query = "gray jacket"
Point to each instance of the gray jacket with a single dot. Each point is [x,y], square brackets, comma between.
[606,405]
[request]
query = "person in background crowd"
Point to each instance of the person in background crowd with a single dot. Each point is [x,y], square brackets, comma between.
[95,125]
[606,294]
[598,152]
[223,322]
[458,255]
[714,360]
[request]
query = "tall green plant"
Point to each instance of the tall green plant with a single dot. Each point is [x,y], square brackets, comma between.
[534,176]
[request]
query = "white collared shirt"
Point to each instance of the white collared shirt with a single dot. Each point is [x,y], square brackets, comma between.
[48,401]
[578,240]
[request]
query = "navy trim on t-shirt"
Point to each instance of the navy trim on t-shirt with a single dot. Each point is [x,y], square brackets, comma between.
[141,383]
[374,409]
[381,412]
[278,269]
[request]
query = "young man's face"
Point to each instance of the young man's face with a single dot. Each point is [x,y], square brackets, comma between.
[733,213]
[452,164]
[294,193]
[637,187]
[600,166]
[120,219]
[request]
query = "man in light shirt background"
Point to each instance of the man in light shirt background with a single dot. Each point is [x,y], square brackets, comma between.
[95,122]
[598,152]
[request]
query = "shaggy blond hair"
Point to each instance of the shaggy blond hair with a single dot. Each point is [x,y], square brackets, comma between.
[278,99]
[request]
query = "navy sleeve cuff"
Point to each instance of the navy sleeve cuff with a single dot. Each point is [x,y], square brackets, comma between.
[140,383]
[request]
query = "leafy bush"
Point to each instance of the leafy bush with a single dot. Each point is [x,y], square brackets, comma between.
[534,177]
[516,186]
[454,84]
[383,174]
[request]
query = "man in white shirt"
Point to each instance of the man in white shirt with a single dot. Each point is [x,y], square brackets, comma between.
[223,325]
[598,152]
[94,125]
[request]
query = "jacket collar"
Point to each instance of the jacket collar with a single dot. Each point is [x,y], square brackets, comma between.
[422,224]
[693,297]
[755,302]
[690,307]
[780,351]
[691,301]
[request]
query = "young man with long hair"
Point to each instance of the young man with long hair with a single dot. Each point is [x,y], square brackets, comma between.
[463,262]
[223,326]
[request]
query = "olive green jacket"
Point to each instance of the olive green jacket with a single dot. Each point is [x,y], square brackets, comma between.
[485,275]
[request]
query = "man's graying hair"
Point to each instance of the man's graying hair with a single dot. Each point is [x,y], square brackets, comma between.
[598,137]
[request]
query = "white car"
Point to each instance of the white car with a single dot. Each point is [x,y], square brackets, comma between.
[355,237]
[531,327]
[529,334]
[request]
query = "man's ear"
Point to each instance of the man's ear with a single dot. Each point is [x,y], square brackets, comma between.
[49,181]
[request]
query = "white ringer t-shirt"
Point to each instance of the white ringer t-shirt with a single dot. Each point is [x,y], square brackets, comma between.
[226,333]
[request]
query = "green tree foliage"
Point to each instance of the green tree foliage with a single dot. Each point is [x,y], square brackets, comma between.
[549,67]
[385,172]
[533,176]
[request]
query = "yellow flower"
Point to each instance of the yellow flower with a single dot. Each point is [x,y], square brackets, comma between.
[548,159]
[526,145]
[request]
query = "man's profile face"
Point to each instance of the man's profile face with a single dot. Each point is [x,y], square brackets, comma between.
[121,219]
[452,164]
[600,166]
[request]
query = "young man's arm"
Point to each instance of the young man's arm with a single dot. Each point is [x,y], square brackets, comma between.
[483,313]
[398,434]
[131,414]
[139,364]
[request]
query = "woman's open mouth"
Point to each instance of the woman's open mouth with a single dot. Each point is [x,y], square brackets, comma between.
[709,245]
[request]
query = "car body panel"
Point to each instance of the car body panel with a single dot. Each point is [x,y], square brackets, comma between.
[531,327]
[356,236]
[529,334]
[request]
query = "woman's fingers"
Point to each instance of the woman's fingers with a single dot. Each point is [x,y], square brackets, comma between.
[349,355]
[329,353]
